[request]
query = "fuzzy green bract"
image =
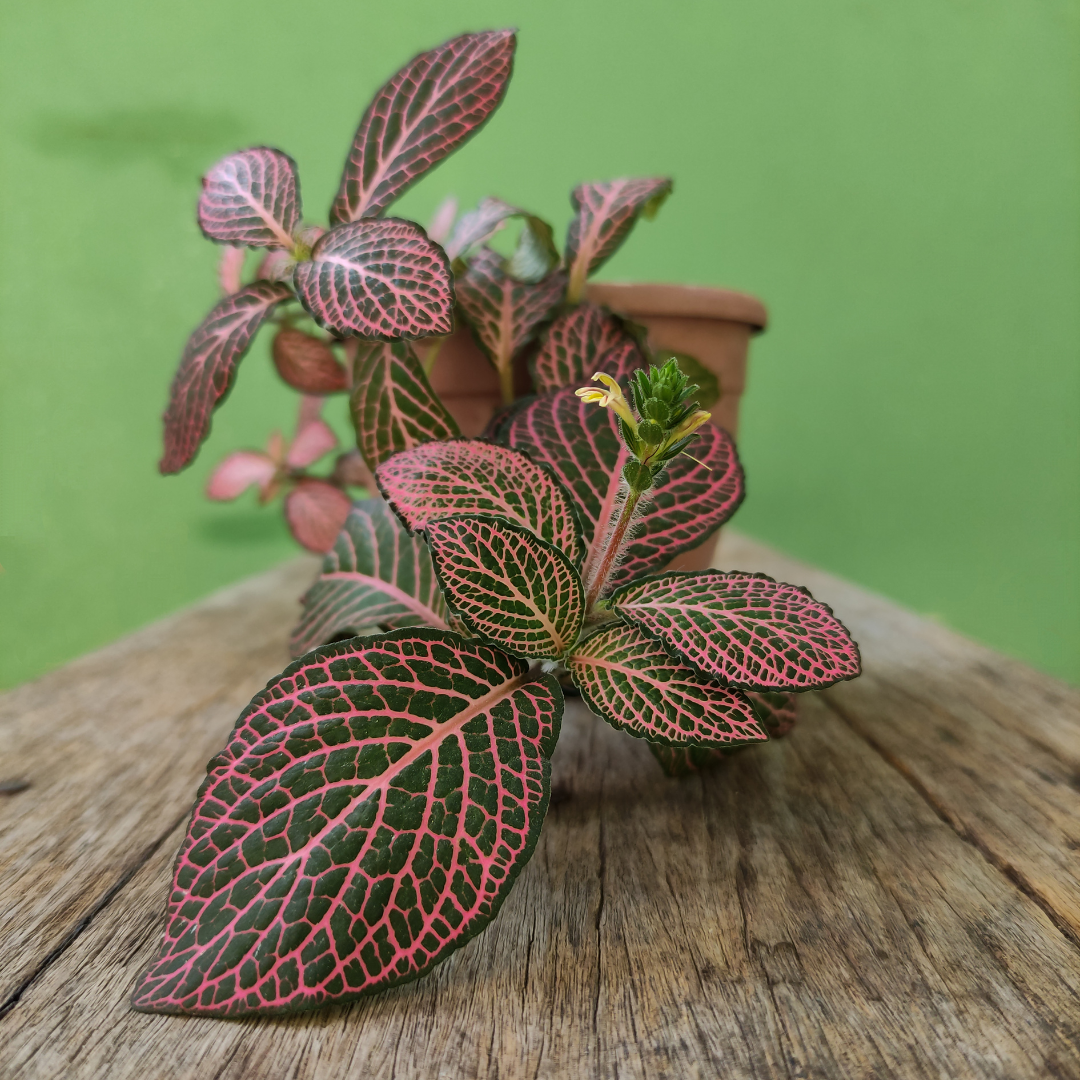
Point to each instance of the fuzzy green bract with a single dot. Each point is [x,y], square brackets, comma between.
[368,815]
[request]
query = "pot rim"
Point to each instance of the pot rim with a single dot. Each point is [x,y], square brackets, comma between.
[664,299]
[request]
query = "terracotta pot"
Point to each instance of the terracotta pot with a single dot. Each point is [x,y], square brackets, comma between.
[713,325]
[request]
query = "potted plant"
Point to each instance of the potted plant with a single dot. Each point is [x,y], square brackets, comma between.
[375,802]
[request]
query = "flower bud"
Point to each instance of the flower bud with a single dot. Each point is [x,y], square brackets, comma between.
[649,431]
[637,475]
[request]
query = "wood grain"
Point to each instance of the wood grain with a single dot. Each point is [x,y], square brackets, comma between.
[112,746]
[835,904]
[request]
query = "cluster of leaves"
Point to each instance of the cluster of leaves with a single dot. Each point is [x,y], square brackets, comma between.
[370,278]
[377,800]
[375,803]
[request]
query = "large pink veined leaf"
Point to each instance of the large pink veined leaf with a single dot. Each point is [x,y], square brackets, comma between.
[776,711]
[307,363]
[375,575]
[237,472]
[393,406]
[208,365]
[605,214]
[369,814]
[580,342]
[634,684]
[381,279]
[580,445]
[503,312]
[467,476]
[315,512]
[507,585]
[427,110]
[251,198]
[746,630]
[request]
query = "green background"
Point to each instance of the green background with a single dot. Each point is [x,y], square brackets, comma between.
[899,182]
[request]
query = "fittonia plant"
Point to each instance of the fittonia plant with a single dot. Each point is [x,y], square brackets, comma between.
[332,293]
[375,803]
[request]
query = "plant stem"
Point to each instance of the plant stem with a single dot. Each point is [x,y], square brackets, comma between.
[506,382]
[432,355]
[575,290]
[614,548]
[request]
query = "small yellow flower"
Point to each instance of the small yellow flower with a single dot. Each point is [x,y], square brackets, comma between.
[691,423]
[611,397]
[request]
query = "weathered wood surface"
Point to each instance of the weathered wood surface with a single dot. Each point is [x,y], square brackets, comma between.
[891,891]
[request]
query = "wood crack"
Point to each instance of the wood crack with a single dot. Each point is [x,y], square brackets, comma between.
[107,898]
[1013,874]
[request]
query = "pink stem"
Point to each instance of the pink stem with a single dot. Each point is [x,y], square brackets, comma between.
[614,548]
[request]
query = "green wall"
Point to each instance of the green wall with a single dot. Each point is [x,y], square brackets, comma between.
[898,181]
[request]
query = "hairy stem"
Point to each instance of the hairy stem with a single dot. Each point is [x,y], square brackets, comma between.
[614,548]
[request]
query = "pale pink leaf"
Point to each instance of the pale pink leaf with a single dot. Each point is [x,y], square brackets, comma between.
[312,441]
[746,630]
[230,269]
[368,815]
[579,443]
[208,365]
[315,512]
[236,473]
[251,198]
[380,279]
[427,110]
[468,476]
[442,221]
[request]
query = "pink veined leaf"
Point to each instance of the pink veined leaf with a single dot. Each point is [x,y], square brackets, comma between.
[478,225]
[312,441]
[237,472]
[208,366]
[468,476]
[580,342]
[315,512]
[307,363]
[605,214]
[580,445]
[231,269]
[634,684]
[507,585]
[746,630]
[393,406]
[505,313]
[368,816]
[379,279]
[427,110]
[251,198]
[375,575]
[777,713]
[442,221]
